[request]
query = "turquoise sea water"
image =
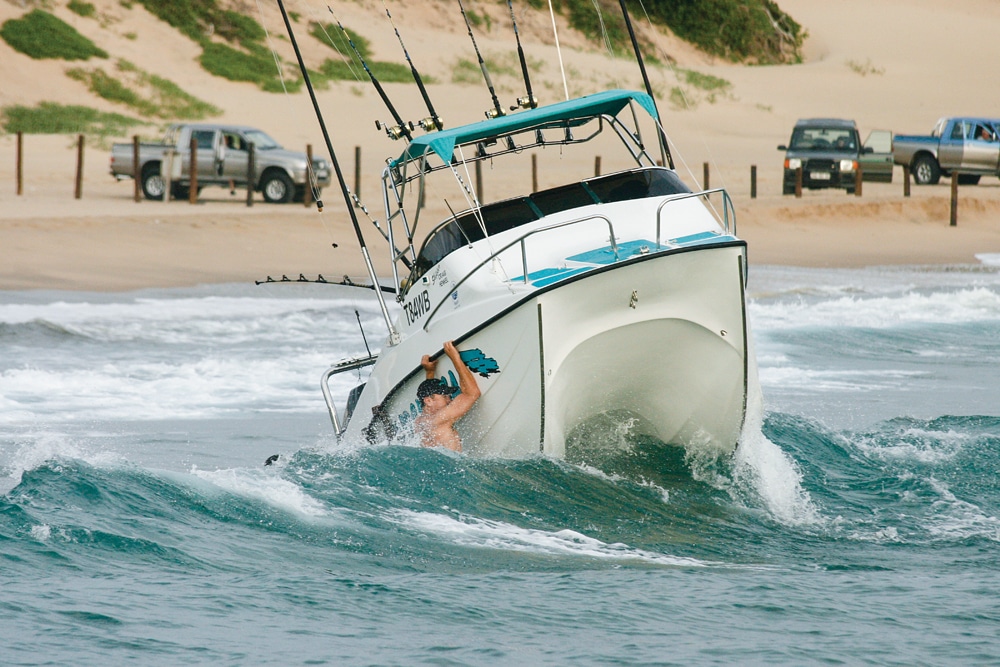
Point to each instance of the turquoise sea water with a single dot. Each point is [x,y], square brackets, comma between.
[858,524]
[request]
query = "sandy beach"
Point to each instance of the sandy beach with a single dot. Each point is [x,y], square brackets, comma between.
[861,63]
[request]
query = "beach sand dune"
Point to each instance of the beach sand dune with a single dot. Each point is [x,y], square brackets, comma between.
[895,64]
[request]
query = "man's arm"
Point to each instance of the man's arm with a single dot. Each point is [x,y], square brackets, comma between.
[430,367]
[466,382]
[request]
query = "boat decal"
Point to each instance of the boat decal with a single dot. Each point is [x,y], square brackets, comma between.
[479,362]
[438,276]
[417,307]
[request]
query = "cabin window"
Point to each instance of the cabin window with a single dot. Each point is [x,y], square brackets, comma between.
[562,198]
[637,185]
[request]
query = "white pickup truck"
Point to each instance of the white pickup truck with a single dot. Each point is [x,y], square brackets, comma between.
[222,159]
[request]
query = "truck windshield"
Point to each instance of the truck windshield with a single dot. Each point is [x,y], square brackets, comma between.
[823,139]
[261,141]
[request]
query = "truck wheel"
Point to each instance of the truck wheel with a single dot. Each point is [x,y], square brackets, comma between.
[152,183]
[277,188]
[926,170]
[968,179]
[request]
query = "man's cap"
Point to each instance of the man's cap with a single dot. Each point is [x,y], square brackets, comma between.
[431,387]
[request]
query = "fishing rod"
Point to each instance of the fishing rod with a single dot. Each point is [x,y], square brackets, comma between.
[393,335]
[497,110]
[664,148]
[529,101]
[401,128]
[434,121]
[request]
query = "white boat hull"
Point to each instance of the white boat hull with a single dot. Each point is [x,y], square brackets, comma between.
[658,342]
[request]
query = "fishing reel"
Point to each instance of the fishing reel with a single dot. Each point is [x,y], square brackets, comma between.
[394,132]
[494,113]
[526,102]
[430,123]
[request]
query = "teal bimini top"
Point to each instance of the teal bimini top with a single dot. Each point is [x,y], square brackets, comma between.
[443,143]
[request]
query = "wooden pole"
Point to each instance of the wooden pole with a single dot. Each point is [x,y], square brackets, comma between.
[308,194]
[167,174]
[954,199]
[597,165]
[906,181]
[753,181]
[705,179]
[858,180]
[798,182]
[20,163]
[479,181]
[136,170]
[193,188]
[79,167]
[534,172]
[251,172]
[357,172]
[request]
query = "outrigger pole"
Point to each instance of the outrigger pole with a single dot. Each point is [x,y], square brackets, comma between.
[393,335]
[400,129]
[427,124]
[528,102]
[497,110]
[664,148]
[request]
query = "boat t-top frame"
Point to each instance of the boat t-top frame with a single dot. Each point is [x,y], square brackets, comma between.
[553,125]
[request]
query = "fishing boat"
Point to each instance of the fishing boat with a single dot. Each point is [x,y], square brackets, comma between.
[613,301]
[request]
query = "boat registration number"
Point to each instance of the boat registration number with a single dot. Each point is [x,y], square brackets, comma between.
[819,175]
[417,307]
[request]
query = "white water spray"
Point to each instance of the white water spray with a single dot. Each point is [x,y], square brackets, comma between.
[761,467]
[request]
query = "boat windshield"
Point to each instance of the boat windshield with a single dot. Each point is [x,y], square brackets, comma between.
[465,228]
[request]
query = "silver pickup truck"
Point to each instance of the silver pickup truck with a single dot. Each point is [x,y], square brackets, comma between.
[969,146]
[222,158]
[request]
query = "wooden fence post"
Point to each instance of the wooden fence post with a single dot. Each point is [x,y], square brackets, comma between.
[954,199]
[906,181]
[705,185]
[78,193]
[136,170]
[307,194]
[534,172]
[193,187]
[798,182]
[753,181]
[251,172]
[20,163]
[167,174]
[858,180]
[597,165]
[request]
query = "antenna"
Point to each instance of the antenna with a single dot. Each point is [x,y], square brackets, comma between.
[434,121]
[393,334]
[529,101]
[400,129]
[664,148]
[497,110]
[363,337]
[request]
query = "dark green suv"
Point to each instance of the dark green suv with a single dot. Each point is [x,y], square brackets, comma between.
[829,152]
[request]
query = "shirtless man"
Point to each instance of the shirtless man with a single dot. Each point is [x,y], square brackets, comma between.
[436,424]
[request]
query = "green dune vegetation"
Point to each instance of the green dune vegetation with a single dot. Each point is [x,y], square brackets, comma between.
[348,67]
[150,95]
[752,31]
[38,34]
[52,118]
